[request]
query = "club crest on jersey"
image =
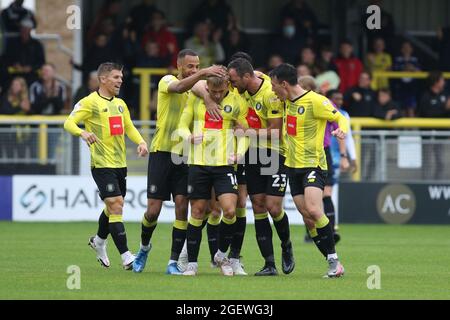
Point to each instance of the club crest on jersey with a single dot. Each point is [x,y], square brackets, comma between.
[258,106]
[120,109]
[227,109]
[301,110]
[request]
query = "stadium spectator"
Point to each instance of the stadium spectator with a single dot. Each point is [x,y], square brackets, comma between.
[361,100]
[98,53]
[209,52]
[12,17]
[235,41]
[326,59]
[15,101]
[274,61]
[166,40]
[24,56]
[140,15]
[434,104]
[47,95]
[106,20]
[389,108]
[290,42]
[151,58]
[386,30]
[308,57]
[215,13]
[305,19]
[303,70]
[349,67]
[90,85]
[405,89]
[379,60]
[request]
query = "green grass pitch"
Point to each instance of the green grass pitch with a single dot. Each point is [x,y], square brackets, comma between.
[414,262]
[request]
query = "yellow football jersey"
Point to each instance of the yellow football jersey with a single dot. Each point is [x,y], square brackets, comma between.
[109,120]
[263,106]
[169,109]
[305,123]
[218,141]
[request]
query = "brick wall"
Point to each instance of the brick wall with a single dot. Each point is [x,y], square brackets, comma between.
[52,16]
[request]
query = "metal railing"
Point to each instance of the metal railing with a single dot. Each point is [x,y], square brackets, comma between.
[46,142]
[406,123]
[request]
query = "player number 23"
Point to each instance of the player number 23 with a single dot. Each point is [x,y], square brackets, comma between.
[276,182]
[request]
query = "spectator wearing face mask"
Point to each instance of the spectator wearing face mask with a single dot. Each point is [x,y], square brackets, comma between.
[289,43]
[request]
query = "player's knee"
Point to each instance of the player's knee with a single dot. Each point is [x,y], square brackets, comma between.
[115,207]
[313,209]
[197,213]
[151,217]
[274,209]
[153,207]
[229,213]
[258,205]
[216,212]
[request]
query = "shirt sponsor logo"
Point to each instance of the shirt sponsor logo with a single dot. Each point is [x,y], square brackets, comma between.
[115,126]
[211,123]
[253,120]
[292,125]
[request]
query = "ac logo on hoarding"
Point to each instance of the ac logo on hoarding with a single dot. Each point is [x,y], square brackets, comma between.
[396,204]
[33,199]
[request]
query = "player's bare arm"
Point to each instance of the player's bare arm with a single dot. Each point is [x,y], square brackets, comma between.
[187,83]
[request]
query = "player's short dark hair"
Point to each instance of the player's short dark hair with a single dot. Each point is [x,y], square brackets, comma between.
[285,72]
[242,66]
[186,52]
[243,55]
[434,77]
[107,67]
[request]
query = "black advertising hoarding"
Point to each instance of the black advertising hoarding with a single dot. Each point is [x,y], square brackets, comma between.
[394,203]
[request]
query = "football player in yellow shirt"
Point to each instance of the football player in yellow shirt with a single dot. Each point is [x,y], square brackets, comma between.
[213,152]
[167,173]
[107,120]
[214,212]
[266,177]
[306,117]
